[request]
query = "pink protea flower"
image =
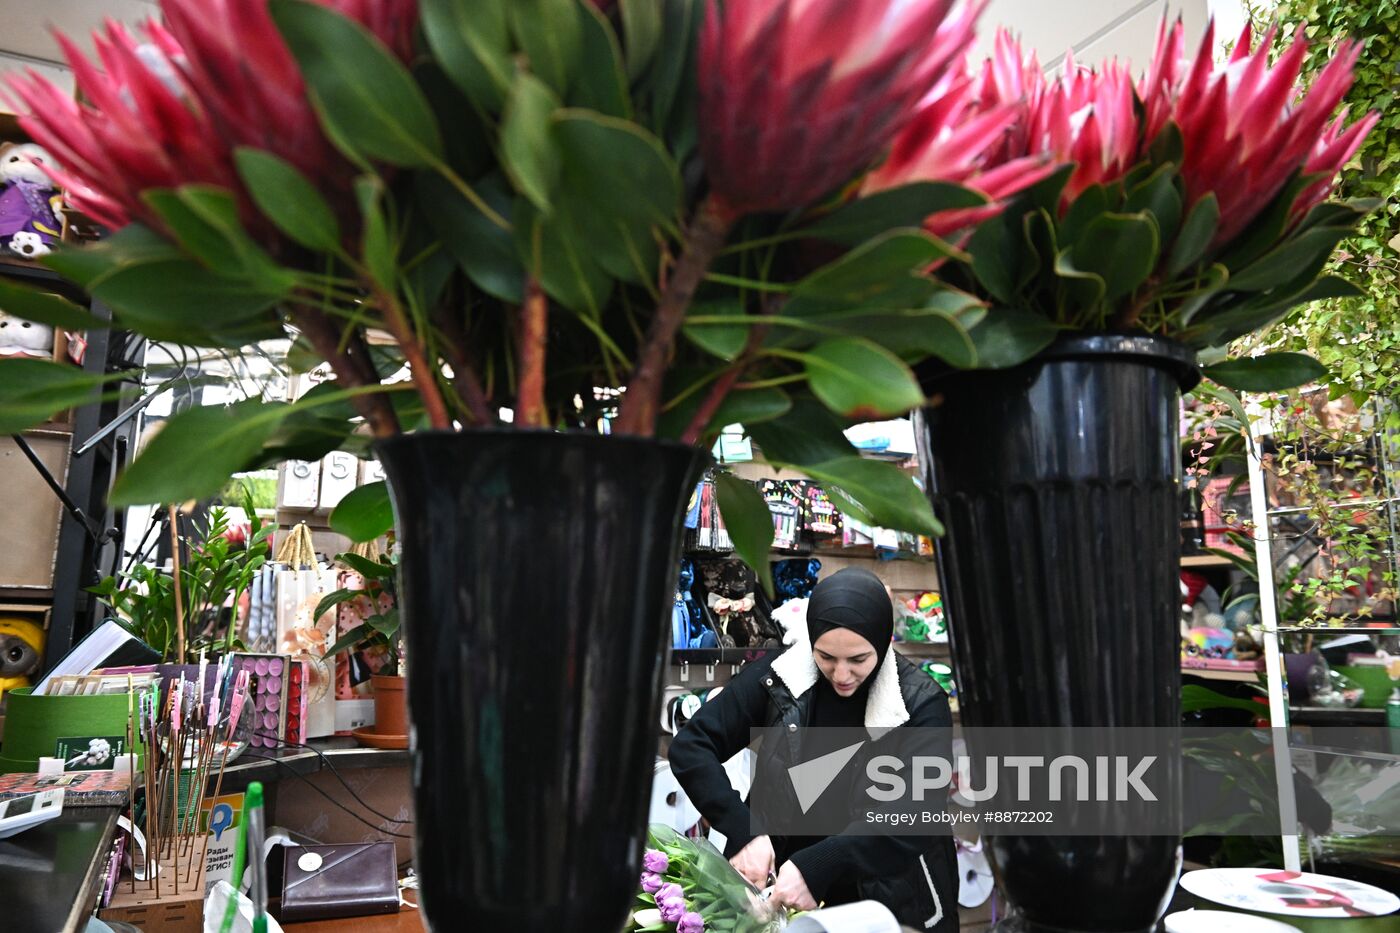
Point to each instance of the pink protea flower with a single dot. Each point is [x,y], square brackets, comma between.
[170,111]
[798,97]
[1088,117]
[974,133]
[1248,125]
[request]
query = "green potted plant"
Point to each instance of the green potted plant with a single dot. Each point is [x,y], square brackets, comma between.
[583,212]
[219,563]
[379,635]
[1187,207]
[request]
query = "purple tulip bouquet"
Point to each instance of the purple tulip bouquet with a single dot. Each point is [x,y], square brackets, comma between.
[688,886]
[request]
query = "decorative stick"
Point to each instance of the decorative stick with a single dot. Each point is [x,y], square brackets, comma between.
[179,597]
[238,696]
[131,768]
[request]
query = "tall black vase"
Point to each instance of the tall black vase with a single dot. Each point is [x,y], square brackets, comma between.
[536,582]
[1059,484]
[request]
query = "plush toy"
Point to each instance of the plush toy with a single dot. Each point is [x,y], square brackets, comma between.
[21,648]
[28,224]
[19,337]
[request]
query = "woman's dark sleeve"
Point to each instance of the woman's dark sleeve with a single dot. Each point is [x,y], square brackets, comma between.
[717,733]
[854,857]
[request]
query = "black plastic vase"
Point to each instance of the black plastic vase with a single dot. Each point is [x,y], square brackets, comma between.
[537,574]
[1059,485]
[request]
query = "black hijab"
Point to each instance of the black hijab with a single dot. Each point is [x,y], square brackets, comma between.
[853,599]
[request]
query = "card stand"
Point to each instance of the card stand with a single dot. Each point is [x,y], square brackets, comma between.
[157,908]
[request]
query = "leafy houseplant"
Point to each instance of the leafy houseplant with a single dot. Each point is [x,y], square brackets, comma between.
[534,200]
[380,634]
[1192,211]
[672,201]
[219,567]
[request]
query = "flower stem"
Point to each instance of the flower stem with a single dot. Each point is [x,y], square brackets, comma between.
[534,320]
[424,376]
[725,384]
[465,381]
[374,408]
[642,401]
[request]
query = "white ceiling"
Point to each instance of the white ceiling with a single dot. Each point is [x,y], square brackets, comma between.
[1095,29]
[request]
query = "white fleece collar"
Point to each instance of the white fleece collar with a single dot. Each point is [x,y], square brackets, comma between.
[797,669]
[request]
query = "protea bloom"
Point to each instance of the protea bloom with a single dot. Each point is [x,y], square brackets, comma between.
[171,111]
[974,133]
[798,97]
[1248,126]
[1089,117]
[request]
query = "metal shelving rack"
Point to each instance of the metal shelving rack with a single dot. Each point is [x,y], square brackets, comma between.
[1263,529]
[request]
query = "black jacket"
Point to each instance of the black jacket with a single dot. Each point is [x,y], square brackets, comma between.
[915,876]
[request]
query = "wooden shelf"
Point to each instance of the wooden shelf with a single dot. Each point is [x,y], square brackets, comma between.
[1205,561]
[923,649]
[1243,677]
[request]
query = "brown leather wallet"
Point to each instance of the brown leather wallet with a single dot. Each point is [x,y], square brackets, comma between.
[328,882]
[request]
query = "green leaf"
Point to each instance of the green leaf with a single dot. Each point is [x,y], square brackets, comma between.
[1158,198]
[1272,372]
[365,514]
[364,95]
[88,265]
[563,264]
[369,569]
[1121,249]
[752,406]
[911,333]
[485,252]
[641,23]
[905,206]
[551,34]
[807,434]
[352,638]
[1079,290]
[885,491]
[602,80]
[861,380]
[179,300]
[1194,239]
[288,199]
[1001,258]
[205,220]
[621,191]
[33,391]
[721,340]
[195,453]
[528,153]
[1092,202]
[377,244]
[471,40]
[45,307]
[675,63]
[1195,698]
[1213,280]
[330,601]
[885,272]
[749,523]
[1308,250]
[1008,337]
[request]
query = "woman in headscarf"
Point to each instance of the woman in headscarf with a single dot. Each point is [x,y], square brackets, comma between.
[842,671]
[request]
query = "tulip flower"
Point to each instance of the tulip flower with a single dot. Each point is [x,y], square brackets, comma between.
[690,922]
[1248,127]
[654,861]
[798,97]
[171,111]
[973,133]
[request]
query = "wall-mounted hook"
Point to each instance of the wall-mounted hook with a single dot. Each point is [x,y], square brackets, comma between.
[685,670]
[709,672]
[734,669]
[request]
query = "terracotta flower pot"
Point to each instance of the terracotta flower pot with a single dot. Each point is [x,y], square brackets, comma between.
[390,705]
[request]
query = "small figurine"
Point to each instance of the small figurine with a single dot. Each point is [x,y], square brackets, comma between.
[28,225]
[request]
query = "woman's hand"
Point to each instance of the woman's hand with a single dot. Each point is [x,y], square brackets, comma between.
[755,861]
[791,889]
